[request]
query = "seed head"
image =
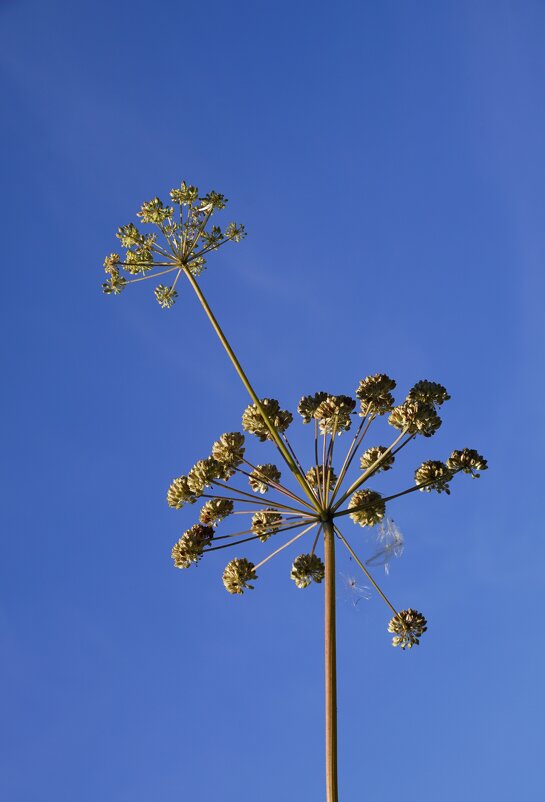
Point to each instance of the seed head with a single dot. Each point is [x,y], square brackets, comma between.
[238,574]
[369,457]
[215,510]
[429,393]
[190,546]
[252,420]
[408,627]
[307,568]
[416,417]
[435,475]
[229,450]
[259,476]
[334,413]
[179,493]
[374,394]
[315,477]
[265,523]
[202,474]
[468,460]
[309,404]
[372,504]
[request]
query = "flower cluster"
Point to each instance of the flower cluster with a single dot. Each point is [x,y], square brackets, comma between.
[408,627]
[190,546]
[307,568]
[254,422]
[184,238]
[332,414]
[238,574]
[263,477]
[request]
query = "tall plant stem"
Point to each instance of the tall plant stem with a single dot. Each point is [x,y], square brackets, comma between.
[332,792]
[238,367]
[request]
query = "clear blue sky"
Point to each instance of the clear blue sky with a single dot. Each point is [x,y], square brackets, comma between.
[388,161]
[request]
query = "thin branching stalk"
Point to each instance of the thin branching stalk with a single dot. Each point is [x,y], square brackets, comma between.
[366,572]
[285,546]
[332,791]
[354,486]
[300,477]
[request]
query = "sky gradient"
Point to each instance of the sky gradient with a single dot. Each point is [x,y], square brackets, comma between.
[387,161]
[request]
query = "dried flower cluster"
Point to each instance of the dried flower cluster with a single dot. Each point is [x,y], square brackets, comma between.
[285,511]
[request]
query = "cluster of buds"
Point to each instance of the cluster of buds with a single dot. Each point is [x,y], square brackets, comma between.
[183,239]
[408,627]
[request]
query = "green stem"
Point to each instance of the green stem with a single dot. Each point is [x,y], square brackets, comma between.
[238,367]
[332,792]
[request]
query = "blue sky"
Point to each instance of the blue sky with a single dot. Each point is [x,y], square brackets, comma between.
[387,160]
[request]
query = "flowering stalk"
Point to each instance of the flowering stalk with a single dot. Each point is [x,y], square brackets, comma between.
[187,240]
[330,654]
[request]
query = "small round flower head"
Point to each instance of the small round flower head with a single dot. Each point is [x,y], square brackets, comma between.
[190,546]
[141,259]
[307,568]
[238,574]
[261,476]
[153,211]
[369,457]
[372,504]
[309,404]
[434,475]
[334,413]
[467,460]
[229,450]
[130,236]
[374,394]
[265,523]
[315,477]
[111,261]
[179,493]
[252,420]
[202,474]
[166,296]
[408,627]
[429,393]
[235,232]
[115,284]
[215,510]
[213,201]
[416,417]
[184,195]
